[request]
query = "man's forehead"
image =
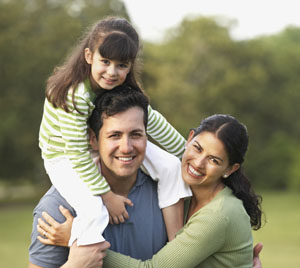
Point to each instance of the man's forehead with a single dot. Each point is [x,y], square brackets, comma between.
[131,118]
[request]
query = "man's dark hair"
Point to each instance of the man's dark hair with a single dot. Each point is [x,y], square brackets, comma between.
[115,101]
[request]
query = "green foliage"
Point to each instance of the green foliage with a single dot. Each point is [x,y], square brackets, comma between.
[36,36]
[199,70]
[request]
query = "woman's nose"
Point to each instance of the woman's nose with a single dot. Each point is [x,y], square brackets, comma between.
[200,161]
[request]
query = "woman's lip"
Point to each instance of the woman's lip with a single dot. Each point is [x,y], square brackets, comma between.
[193,172]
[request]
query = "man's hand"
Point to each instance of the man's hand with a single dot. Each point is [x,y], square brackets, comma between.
[56,233]
[256,250]
[90,256]
[115,205]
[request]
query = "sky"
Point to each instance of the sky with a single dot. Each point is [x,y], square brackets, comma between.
[152,18]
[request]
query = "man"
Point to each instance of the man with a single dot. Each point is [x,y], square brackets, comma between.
[118,126]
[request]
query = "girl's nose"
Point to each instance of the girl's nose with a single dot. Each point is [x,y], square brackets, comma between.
[111,70]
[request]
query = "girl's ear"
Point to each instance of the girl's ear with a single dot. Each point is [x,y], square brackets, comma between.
[93,140]
[88,55]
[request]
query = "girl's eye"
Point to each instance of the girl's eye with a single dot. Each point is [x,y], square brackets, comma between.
[123,65]
[105,61]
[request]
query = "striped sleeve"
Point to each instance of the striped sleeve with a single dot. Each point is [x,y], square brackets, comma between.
[74,131]
[165,134]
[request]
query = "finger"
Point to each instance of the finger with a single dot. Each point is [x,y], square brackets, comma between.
[46,227]
[121,219]
[115,219]
[49,219]
[44,233]
[111,220]
[126,215]
[45,240]
[257,249]
[66,213]
[128,202]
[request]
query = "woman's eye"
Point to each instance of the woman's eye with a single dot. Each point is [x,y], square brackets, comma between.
[105,61]
[214,161]
[199,149]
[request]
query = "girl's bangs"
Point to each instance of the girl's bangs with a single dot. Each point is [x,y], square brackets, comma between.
[118,46]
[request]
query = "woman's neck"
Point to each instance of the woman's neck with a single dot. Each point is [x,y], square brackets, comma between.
[202,196]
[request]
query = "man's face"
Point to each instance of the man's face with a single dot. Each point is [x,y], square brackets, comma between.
[122,143]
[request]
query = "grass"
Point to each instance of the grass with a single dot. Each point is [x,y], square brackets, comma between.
[280,235]
[15,229]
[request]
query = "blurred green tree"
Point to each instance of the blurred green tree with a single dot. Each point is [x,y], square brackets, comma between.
[35,35]
[200,70]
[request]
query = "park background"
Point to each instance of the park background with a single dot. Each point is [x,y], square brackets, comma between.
[196,69]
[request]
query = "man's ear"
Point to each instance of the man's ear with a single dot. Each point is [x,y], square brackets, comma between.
[88,55]
[93,140]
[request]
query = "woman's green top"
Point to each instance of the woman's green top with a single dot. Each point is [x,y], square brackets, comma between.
[218,235]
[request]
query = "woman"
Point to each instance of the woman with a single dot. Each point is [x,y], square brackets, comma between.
[223,208]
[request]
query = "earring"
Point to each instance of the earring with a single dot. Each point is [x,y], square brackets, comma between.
[225,176]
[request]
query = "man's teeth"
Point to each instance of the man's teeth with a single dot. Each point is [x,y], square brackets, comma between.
[125,158]
[192,170]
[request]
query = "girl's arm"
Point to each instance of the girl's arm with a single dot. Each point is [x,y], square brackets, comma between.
[164,133]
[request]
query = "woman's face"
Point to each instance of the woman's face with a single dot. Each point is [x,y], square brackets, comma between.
[205,161]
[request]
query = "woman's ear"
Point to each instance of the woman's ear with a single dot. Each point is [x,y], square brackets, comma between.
[88,55]
[232,169]
[93,140]
[191,135]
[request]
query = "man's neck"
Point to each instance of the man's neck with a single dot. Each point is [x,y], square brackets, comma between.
[119,185]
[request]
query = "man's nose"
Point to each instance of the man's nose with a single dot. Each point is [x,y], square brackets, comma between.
[126,145]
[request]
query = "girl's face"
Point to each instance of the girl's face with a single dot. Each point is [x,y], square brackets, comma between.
[205,161]
[105,72]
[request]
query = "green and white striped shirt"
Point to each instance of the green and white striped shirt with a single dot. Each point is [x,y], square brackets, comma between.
[66,134]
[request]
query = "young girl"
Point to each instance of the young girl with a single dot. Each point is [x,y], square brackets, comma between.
[104,59]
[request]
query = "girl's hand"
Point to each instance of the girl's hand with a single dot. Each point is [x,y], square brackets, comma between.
[57,234]
[115,205]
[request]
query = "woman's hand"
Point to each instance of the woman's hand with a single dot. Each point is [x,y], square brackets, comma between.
[57,234]
[256,250]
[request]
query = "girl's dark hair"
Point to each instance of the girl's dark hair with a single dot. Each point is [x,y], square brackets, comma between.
[235,138]
[115,39]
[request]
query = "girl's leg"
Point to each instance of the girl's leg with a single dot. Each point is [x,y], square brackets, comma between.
[92,216]
[166,169]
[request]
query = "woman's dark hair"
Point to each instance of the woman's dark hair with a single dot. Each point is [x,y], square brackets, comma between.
[115,39]
[235,138]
